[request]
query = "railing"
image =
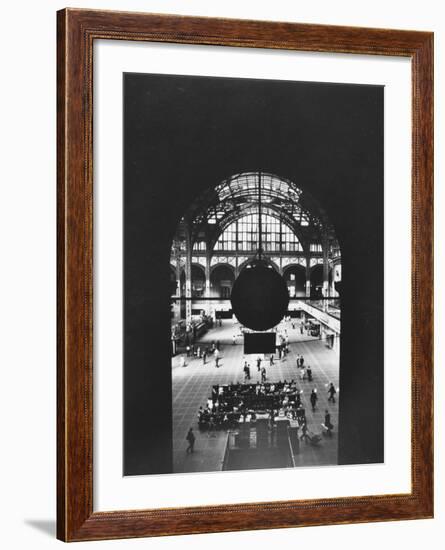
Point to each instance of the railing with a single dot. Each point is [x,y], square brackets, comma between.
[331,306]
[321,313]
[251,454]
[230,435]
[293,449]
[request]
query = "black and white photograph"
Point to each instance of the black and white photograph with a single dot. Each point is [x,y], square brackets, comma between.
[253,274]
[222,275]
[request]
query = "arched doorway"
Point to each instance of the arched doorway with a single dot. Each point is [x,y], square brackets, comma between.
[317,281]
[295,277]
[198,281]
[222,278]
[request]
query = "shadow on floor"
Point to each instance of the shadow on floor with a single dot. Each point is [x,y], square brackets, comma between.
[46,526]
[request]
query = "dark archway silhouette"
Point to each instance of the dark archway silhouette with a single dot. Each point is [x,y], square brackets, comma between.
[222,278]
[314,138]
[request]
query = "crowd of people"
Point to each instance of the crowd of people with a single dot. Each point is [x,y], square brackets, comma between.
[207,351]
[230,405]
[234,403]
[203,352]
[304,372]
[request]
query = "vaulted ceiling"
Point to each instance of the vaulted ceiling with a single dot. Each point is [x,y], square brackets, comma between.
[238,196]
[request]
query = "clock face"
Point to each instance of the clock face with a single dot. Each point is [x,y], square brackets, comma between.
[259,296]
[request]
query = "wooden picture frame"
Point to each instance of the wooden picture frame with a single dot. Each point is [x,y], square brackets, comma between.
[77,31]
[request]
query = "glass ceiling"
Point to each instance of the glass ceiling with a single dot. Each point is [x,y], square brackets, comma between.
[246,185]
[237,196]
[240,192]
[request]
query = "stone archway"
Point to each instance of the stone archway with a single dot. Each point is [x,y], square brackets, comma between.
[295,277]
[222,277]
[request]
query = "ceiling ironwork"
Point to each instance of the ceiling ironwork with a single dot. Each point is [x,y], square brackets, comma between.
[237,196]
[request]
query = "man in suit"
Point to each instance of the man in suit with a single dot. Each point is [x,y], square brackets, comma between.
[191,441]
[313,399]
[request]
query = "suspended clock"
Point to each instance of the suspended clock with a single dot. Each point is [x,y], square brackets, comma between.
[259,296]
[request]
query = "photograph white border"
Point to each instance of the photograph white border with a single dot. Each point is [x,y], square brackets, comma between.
[113,491]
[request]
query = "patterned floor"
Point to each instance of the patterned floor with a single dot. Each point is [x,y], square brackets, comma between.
[192,386]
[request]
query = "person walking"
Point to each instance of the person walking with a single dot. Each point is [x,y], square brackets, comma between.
[211,427]
[191,441]
[182,361]
[313,398]
[271,362]
[204,357]
[200,416]
[331,391]
[298,399]
[302,373]
[246,371]
[258,364]
[327,423]
[304,435]
[263,374]
[309,373]
[216,355]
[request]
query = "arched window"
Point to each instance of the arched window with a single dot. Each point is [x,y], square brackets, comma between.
[199,246]
[242,235]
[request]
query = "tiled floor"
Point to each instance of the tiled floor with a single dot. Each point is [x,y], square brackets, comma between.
[192,385]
